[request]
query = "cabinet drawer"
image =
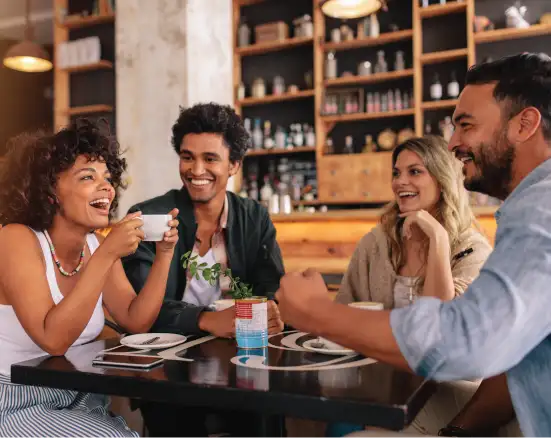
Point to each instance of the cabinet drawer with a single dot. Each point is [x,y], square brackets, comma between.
[355,178]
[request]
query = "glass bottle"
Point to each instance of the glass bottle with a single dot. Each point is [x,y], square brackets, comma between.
[399,63]
[257,135]
[381,66]
[453,86]
[330,66]
[436,88]
[243,34]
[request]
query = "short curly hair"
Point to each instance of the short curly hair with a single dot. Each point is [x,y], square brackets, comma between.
[28,175]
[216,119]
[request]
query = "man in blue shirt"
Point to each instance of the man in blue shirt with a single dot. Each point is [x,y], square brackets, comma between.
[501,323]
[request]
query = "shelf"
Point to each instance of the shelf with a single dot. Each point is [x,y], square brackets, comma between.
[369,79]
[242,3]
[438,10]
[511,34]
[439,104]
[101,65]
[273,46]
[447,55]
[92,20]
[384,38]
[262,152]
[250,101]
[89,109]
[367,116]
[306,203]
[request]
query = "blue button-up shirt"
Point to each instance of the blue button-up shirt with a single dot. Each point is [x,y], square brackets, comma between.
[503,321]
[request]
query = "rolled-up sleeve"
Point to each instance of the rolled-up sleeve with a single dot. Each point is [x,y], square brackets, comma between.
[502,316]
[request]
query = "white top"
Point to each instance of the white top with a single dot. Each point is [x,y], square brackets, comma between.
[201,292]
[15,344]
[404,291]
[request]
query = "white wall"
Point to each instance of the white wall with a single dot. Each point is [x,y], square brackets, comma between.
[170,53]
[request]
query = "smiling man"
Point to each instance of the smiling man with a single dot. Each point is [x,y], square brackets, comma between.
[501,323]
[217,226]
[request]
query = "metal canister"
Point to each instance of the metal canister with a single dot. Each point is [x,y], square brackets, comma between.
[251,322]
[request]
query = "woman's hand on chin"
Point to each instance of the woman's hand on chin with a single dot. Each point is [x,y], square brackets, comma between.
[425,221]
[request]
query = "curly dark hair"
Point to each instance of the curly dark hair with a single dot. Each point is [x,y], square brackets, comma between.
[28,175]
[522,80]
[216,119]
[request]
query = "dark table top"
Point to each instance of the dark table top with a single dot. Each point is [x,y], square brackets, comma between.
[292,382]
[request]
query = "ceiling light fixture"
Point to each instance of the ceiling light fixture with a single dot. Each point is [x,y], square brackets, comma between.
[27,55]
[348,9]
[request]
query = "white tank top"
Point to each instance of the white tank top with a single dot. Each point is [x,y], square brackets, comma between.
[15,344]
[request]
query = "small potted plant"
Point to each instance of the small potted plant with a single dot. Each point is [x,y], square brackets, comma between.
[251,313]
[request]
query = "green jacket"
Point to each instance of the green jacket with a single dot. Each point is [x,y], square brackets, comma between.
[253,255]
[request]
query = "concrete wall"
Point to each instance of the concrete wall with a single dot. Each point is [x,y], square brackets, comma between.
[170,53]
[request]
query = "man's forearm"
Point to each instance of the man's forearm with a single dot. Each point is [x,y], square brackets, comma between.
[365,331]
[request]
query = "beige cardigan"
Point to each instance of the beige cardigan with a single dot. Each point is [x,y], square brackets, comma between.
[371,277]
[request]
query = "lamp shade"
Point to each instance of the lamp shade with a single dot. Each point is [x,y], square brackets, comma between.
[28,57]
[348,9]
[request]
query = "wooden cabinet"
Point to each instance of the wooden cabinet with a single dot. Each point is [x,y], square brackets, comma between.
[358,178]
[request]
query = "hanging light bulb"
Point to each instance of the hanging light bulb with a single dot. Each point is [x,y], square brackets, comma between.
[347,9]
[28,56]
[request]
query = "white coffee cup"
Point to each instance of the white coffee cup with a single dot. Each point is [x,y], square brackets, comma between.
[223,304]
[155,226]
[364,305]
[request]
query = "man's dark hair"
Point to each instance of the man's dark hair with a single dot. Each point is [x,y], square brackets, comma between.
[522,81]
[28,175]
[215,119]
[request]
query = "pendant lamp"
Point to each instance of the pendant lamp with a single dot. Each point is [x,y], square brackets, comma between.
[27,56]
[348,9]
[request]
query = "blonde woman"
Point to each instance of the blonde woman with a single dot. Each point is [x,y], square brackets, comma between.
[426,245]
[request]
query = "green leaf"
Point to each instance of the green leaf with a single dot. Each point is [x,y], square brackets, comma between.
[197,277]
[187,254]
[202,265]
[216,267]
[207,274]
[227,273]
[185,264]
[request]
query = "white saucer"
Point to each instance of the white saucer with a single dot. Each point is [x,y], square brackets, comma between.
[166,340]
[322,348]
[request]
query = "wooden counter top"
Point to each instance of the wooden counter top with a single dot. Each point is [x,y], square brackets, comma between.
[362,214]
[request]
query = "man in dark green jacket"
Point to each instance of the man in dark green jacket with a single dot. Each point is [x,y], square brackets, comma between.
[218,227]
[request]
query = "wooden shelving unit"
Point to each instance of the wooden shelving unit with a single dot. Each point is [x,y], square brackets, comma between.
[302,94]
[439,104]
[89,109]
[511,34]
[384,38]
[367,116]
[65,106]
[369,79]
[444,56]
[439,10]
[101,65]
[92,20]
[259,49]
[340,172]
[264,152]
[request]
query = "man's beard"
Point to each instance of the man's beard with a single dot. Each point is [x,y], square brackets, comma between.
[494,164]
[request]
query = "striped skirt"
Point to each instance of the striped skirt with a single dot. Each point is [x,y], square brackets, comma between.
[47,412]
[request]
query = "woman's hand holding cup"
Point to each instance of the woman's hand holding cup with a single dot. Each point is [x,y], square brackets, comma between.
[125,236]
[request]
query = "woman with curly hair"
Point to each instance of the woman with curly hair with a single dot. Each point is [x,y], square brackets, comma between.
[56,273]
[425,246]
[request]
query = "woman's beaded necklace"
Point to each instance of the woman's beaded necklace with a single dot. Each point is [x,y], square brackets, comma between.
[58,263]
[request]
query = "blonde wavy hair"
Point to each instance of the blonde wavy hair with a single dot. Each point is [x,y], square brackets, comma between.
[452,210]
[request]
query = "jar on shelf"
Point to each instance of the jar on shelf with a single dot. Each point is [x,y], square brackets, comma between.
[278,87]
[258,90]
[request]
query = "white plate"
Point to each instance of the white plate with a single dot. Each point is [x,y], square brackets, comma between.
[309,345]
[166,340]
